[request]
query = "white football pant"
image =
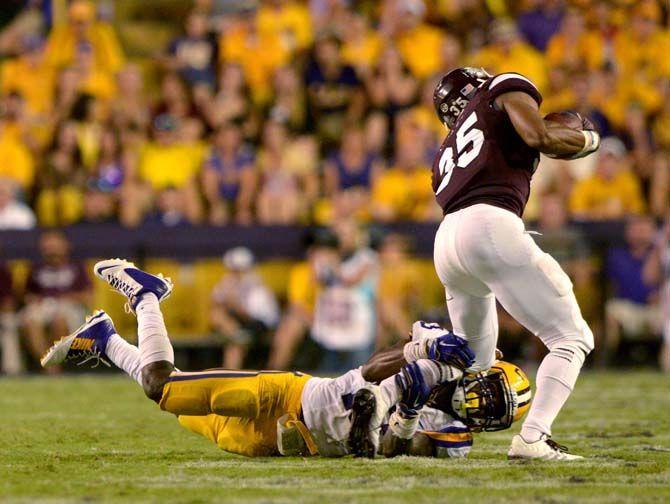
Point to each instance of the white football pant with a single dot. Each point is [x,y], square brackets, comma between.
[483,254]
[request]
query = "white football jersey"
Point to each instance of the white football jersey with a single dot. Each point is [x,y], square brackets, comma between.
[326,409]
[326,405]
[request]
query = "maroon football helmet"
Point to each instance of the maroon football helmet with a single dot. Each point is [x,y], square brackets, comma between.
[455,90]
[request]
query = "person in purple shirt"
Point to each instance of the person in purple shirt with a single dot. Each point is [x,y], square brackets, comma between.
[540,22]
[56,294]
[631,311]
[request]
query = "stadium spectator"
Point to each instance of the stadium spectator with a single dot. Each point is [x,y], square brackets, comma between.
[12,361]
[259,53]
[130,108]
[59,201]
[399,290]
[287,20]
[170,167]
[29,76]
[507,52]
[57,293]
[404,191]
[83,34]
[307,280]
[16,160]
[194,55]
[243,312]
[345,324]
[419,43]
[656,270]
[632,310]
[229,178]
[352,170]
[334,92]
[288,179]
[613,191]
[105,181]
[541,21]
[232,103]
[14,214]
[288,102]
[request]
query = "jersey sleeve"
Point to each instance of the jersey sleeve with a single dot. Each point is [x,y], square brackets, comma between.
[451,438]
[509,82]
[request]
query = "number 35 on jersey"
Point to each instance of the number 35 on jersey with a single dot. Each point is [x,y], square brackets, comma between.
[469,141]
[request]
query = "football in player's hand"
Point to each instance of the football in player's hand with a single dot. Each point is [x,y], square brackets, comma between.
[570,119]
[567,118]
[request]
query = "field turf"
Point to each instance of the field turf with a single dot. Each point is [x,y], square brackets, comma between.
[97,439]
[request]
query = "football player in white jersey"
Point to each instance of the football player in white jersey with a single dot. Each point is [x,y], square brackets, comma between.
[263,413]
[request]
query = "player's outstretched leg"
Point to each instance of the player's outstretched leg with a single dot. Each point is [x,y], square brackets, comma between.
[94,342]
[144,292]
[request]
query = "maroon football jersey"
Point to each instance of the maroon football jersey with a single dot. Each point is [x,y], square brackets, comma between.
[483,159]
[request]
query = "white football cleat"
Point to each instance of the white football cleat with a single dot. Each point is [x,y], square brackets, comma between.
[85,344]
[132,282]
[543,449]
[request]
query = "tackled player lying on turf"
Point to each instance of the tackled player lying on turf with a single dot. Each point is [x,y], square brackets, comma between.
[263,413]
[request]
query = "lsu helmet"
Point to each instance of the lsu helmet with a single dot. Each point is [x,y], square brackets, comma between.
[455,90]
[487,401]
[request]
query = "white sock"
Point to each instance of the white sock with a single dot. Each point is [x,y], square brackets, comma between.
[152,335]
[554,382]
[124,356]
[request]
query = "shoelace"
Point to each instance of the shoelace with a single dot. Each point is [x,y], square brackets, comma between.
[120,284]
[127,289]
[556,447]
[89,355]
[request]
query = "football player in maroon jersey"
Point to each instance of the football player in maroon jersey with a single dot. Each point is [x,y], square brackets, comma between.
[481,179]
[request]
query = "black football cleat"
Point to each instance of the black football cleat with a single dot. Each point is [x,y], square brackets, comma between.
[367,413]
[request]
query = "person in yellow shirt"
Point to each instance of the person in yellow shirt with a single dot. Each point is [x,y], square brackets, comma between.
[572,47]
[508,53]
[29,76]
[170,167]
[259,53]
[419,44]
[65,42]
[612,192]
[404,191]
[642,47]
[16,160]
[361,46]
[287,20]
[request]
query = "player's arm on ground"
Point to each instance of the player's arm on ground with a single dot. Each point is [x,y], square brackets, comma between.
[549,138]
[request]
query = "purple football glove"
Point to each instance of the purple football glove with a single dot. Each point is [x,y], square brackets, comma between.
[452,350]
[415,391]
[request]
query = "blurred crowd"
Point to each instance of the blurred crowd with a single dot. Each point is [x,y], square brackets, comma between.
[285,112]
[320,112]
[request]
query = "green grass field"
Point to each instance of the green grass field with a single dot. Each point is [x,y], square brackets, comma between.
[93,439]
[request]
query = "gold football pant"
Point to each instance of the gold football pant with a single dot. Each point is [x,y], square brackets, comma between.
[237,410]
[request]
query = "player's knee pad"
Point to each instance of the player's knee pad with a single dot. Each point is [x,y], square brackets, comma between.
[574,347]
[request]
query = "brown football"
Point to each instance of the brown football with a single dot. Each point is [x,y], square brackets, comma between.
[567,118]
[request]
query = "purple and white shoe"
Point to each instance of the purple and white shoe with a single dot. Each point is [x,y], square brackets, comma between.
[132,282]
[88,343]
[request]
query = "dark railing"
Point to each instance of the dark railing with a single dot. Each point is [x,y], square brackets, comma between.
[267,242]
